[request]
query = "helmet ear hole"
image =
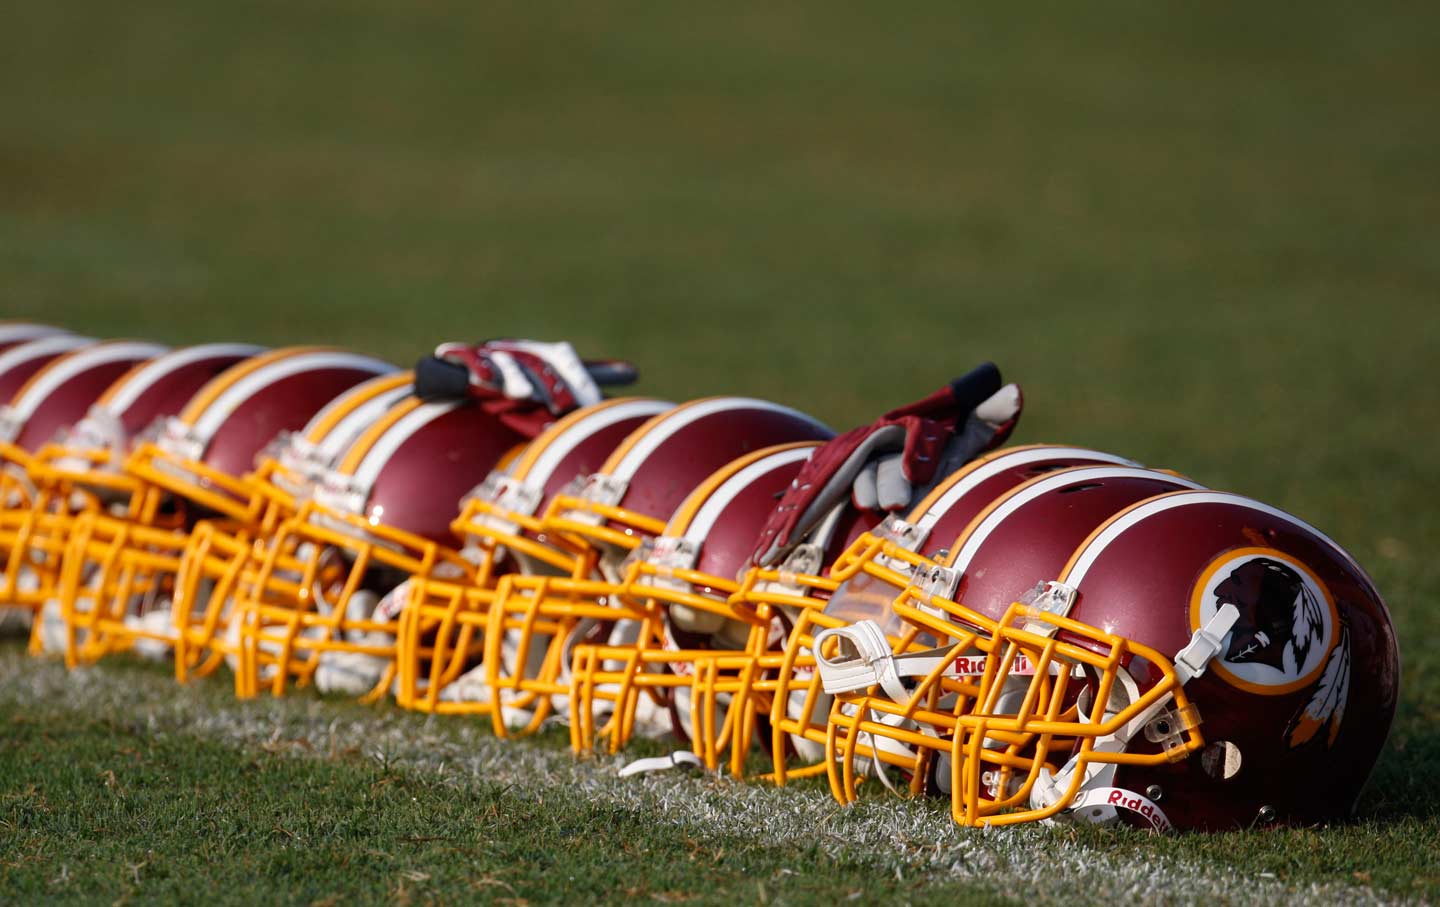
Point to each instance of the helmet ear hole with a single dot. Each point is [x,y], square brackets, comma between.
[1221,760]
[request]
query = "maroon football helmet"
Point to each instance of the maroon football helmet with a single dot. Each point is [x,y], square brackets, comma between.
[119,580]
[536,621]
[683,581]
[22,360]
[56,395]
[787,604]
[330,584]
[14,333]
[1199,660]
[442,628]
[79,468]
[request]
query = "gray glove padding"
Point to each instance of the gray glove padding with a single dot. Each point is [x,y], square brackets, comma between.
[873,475]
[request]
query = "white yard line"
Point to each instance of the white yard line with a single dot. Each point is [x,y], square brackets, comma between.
[1026,863]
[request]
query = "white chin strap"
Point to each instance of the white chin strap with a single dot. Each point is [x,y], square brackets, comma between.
[1098,802]
[17,619]
[154,622]
[864,659]
[662,764]
[53,629]
[355,673]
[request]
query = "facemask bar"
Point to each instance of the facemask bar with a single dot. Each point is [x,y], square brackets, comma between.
[114,572]
[534,622]
[776,678]
[218,553]
[125,564]
[658,577]
[1024,758]
[728,691]
[583,511]
[195,482]
[61,482]
[533,626]
[499,517]
[207,581]
[306,578]
[442,631]
[440,636]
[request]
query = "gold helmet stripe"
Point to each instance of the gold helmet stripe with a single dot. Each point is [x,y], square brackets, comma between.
[356,452]
[349,401]
[62,368]
[544,453]
[143,375]
[227,379]
[703,494]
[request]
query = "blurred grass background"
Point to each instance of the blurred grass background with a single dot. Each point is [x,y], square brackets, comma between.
[1206,236]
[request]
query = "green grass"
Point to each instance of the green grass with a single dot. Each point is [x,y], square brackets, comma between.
[143,805]
[138,812]
[1203,236]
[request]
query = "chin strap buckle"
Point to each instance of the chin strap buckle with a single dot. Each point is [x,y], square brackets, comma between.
[1191,661]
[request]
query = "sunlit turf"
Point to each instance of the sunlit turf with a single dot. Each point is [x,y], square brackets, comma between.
[94,810]
[117,785]
[99,807]
[1202,236]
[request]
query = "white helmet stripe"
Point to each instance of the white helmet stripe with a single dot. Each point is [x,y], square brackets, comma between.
[342,401]
[1147,509]
[25,331]
[731,488]
[1027,493]
[563,444]
[990,468]
[686,416]
[48,381]
[349,427]
[45,346]
[390,440]
[232,397]
[162,366]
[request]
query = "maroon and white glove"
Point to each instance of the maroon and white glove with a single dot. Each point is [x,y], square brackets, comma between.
[525,383]
[882,465]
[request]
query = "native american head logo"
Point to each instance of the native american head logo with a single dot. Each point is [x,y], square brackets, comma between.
[1288,636]
[1281,619]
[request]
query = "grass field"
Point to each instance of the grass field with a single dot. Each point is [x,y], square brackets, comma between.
[1205,236]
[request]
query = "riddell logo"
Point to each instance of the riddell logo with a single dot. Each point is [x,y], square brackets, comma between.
[974,665]
[1138,804]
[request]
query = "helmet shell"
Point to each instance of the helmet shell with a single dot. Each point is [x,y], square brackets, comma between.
[723,517]
[235,415]
[14,333]
[945,514]
[1026,536]
[59,394]
[939,524]
[667,457]
[22,360]
[1297,703]
[163,385]
[580,444]
[410,470]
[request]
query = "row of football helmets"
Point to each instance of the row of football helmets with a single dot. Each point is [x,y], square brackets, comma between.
[1036,633]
